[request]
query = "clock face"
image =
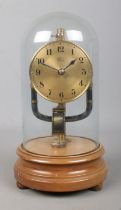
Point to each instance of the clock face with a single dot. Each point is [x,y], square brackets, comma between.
[60,71]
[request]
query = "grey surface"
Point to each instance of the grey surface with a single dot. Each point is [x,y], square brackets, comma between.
[16,17]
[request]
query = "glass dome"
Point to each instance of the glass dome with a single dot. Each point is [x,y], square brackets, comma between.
[79,32]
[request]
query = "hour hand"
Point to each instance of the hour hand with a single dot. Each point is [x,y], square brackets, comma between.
[62,71]
[70,63]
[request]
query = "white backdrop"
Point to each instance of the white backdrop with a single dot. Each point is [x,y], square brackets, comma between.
[16,18]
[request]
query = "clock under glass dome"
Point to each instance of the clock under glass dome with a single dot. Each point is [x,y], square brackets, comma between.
[60,94]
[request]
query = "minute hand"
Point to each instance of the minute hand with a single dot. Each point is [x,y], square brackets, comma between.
[49,66]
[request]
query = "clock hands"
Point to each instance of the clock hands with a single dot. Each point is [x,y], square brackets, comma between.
[49,66]
[70,63]
[62,71]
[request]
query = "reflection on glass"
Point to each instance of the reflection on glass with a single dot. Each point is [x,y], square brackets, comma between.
[42,36]
[74,35]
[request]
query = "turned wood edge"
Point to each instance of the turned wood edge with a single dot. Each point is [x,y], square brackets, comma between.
[81,158]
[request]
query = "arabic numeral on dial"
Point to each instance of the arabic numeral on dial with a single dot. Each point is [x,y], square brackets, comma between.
[41,84]
[49,51]
[37,72]
[84,72]
[60,48]
[40,60]
[81,59]
[50,91]
[81,83]
[72,51]
[61,94]
[73,92]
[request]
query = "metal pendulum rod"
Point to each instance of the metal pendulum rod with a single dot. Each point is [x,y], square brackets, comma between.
[86,113]
[58,126]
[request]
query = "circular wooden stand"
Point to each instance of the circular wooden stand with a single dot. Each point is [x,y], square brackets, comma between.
[60,173]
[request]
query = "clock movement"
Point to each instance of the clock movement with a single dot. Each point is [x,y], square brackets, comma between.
[60,76]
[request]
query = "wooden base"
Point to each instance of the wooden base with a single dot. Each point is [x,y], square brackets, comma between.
[60,173]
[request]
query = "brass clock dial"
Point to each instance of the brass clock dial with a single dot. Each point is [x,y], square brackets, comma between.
[60,71]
